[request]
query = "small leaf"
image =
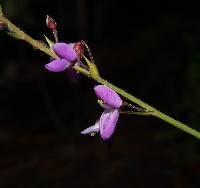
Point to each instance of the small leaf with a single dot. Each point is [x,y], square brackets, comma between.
[92,67]
[50,43]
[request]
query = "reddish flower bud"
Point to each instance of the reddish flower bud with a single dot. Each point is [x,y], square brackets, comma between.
[50,23]
[78,47]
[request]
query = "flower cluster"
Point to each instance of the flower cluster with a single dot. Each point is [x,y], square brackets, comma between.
[109,99]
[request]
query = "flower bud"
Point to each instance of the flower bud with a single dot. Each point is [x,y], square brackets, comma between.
[50,23]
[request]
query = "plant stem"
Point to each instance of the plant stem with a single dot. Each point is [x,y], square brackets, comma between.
[38,45]
[154,111]
[23,36]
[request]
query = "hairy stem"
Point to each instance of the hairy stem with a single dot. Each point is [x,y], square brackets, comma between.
[153,111]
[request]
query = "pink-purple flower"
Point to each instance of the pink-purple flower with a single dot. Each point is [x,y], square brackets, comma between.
[67,55]
[107,123]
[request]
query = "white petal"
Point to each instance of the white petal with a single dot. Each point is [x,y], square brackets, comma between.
[91,130]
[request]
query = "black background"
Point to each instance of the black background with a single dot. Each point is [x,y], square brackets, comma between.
[149,49]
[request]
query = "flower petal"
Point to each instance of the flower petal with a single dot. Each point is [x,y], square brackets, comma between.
[64,50]
[92,129]
[109,96]
[107,123]
[57,65]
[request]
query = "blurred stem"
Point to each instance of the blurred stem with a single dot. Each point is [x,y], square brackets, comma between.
[41,46]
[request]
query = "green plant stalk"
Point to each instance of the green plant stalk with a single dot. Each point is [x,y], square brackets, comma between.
[38,45]
[23,36]
[154,111]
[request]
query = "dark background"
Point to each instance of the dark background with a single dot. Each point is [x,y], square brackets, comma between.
[150,49]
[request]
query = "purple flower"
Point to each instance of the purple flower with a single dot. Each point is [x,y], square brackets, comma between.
[65,51]
[67,55]
[108,120]
[58,65]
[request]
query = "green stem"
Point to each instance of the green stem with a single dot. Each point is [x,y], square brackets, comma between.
[154,111]
[23,36]
[38,45]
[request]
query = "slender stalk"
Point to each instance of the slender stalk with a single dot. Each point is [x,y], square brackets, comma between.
[153,111]
[23,36]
